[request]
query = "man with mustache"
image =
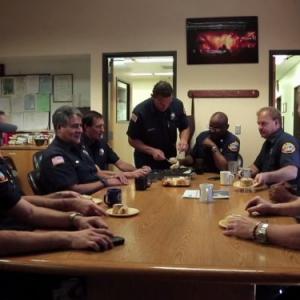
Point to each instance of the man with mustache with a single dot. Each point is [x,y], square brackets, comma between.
[217,145]
[279,158]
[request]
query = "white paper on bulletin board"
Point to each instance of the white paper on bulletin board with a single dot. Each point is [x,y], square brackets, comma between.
[17,119]
[36,120]
[5,104]
[32,84]
[17,104]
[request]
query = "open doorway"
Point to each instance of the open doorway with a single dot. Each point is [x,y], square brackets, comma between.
[128,79]
[284,87]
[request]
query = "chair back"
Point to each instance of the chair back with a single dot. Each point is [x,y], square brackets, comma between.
[240,161]
[34,182]
[36,159]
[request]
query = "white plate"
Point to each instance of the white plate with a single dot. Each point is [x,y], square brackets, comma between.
[131,212]
[95,200]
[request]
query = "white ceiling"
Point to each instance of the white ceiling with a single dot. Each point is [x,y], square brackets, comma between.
[289,63]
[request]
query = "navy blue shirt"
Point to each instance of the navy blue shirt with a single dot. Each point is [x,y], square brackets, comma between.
[278,151]
[10,192]
[101,153]
[64,165]
[229,147]
[156,129]
[10,195]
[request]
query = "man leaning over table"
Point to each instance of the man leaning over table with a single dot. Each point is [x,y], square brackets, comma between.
[18,218]
[152,130]
[279,158]
[66,165]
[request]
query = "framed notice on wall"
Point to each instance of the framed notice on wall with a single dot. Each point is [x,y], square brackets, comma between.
[63,88]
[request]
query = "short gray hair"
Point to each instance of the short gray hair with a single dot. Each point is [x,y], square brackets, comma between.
[62,115]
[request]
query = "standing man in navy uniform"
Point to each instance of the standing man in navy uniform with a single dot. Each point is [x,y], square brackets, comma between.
[66,165]
[217,145]
[279,158]
[152,130]
[99,150]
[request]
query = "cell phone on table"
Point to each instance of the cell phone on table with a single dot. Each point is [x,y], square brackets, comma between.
[214,178]
[118,240]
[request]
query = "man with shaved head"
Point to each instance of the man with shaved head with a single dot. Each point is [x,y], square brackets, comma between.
[217,145]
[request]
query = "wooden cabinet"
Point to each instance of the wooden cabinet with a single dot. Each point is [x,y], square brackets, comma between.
[22,157]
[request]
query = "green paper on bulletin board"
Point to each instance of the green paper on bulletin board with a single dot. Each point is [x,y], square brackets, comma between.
[42,102]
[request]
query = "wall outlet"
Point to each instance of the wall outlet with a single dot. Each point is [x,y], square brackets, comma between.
[237,129]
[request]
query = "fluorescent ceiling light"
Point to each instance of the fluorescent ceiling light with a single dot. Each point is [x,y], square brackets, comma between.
[279,59]
[122,61]
[163,73]
[153,59]
[140,74]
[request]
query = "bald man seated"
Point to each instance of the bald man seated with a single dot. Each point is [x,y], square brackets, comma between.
[216,146]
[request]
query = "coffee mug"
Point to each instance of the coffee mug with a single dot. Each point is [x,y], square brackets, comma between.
[206,192]
[199,166]
[113,196]
[141,183]
[226,178]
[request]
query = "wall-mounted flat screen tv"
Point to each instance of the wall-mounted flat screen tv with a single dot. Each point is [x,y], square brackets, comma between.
[225,40]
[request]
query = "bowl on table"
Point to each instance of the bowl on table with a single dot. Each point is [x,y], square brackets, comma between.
[39,141]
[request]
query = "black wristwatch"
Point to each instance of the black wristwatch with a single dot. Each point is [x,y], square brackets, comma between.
[260,233]
[103,181]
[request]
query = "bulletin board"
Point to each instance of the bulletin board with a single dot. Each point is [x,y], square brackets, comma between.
[28,99]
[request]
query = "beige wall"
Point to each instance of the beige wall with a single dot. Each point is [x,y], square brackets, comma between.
[92,27]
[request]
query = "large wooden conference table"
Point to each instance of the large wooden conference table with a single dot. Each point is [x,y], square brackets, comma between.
[174,249]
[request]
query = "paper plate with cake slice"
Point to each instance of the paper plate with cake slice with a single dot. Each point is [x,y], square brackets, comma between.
[94,199]
[120,210]
[248,185]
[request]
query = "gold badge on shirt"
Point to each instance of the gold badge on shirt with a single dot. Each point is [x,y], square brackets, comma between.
[288,148]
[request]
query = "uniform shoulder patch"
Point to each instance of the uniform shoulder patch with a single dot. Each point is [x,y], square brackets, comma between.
[288,148]
[234,147]
[57,160]
[134,117]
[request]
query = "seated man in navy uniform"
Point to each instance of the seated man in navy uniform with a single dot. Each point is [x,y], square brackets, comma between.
[101,152]
[18,217]
[279,158]
[152,130]
[216,146]
[66,165]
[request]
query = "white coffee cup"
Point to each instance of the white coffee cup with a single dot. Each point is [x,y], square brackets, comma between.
[226,178]
[206,192]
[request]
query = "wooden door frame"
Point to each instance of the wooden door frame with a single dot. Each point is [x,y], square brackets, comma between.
[272,70]
[105,75]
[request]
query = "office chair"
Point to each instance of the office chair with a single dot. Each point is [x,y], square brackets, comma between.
[240,161]
[36,159]
[33,178]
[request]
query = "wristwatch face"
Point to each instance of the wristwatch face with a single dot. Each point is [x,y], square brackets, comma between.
[261,233]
